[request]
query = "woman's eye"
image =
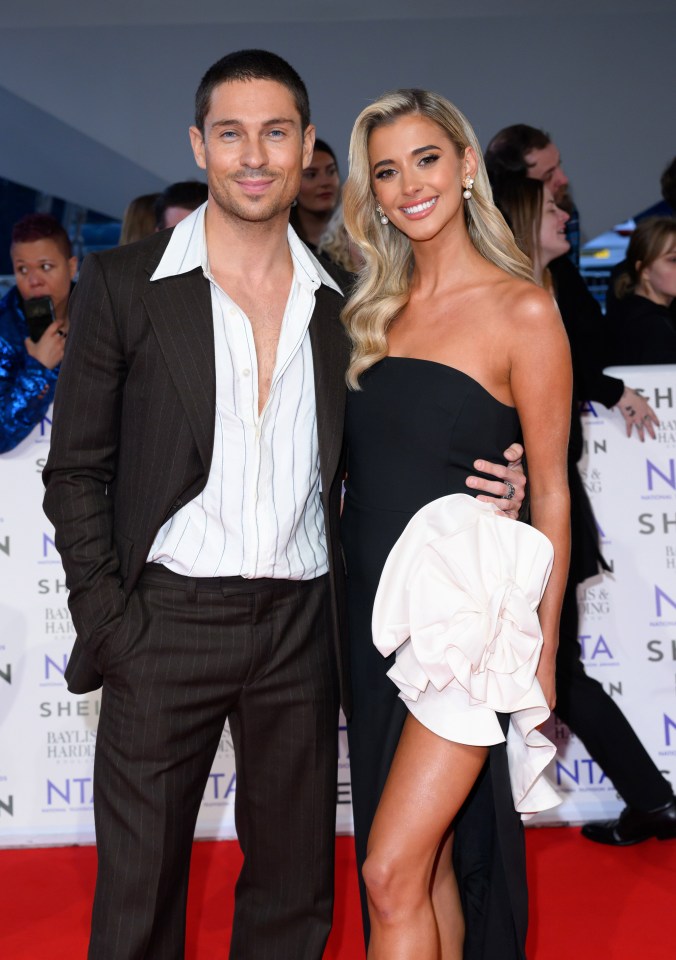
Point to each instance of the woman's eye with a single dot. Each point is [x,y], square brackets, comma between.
[429,158]
[385,174]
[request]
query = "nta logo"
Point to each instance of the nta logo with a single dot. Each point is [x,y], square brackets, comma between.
[661,598]
[668,476]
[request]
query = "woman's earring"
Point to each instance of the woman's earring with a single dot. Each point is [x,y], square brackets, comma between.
[384,219]
[468,183]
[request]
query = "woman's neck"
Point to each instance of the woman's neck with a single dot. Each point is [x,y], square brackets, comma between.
[644,289]
[313,225]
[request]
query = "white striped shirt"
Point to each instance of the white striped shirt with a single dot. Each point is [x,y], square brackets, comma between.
[260,514]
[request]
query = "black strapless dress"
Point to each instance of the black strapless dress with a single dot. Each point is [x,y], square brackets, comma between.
[413,432]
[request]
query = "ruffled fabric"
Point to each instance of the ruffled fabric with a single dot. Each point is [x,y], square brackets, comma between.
[458,600]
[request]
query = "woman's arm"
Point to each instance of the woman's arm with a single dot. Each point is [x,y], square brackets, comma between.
[541,384]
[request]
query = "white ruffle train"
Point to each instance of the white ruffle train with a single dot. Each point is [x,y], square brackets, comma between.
[457,600]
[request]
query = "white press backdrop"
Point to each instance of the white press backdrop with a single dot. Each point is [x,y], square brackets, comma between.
[627,627]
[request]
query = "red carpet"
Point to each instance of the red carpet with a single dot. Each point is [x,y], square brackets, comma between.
[587,902]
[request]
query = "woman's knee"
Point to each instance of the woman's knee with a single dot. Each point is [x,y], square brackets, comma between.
[394,885]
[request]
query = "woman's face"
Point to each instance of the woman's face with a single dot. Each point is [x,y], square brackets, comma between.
[416,175]
[657,281]
[552,242]
[320,186]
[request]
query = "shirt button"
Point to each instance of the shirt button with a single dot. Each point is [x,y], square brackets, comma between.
[246,372]
[232,312]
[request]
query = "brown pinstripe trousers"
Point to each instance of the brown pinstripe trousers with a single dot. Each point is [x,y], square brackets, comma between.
[188,654]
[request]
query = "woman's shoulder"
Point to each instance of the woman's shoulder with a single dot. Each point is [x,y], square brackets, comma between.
[523,303]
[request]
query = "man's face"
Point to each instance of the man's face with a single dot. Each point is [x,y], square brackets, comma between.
[42,270]
[253,149]
[545,165]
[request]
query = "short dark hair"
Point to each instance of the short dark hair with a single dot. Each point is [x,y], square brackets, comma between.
[41,226]
[323,147]
[505,155]
[186,194]
[250,65]
[668,184]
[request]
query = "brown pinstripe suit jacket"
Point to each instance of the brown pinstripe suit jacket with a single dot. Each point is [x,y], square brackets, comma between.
[133,428]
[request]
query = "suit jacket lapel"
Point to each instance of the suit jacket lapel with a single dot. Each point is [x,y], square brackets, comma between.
[330,353]
[180,312]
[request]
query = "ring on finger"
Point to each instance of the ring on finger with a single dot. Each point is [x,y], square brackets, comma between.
[511,490]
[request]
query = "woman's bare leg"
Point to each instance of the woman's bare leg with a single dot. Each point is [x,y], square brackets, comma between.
[428,782]
[446,901]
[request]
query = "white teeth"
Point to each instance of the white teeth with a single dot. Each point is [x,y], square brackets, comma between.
[419,207]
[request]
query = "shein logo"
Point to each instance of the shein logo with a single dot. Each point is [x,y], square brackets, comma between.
[668,478]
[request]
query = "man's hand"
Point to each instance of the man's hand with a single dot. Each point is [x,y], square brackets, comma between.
[510,477]
[49,349]
[638,413]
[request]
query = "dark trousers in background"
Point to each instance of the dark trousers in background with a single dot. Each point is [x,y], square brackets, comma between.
[594,717]
[188,655]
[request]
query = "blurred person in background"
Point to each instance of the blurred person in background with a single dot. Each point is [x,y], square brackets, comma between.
[524,151]
[33,324]
[666,207]
[139,219]
[644,295]
[538,225]
[177,201]
[318,197]
[335,243]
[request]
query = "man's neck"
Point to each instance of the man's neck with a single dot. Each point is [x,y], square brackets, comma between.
[246,248]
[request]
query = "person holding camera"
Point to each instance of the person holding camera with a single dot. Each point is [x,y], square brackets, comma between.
[33,324]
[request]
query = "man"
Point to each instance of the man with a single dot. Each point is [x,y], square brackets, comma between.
[44,267]
[525,151]
[194,482]
[177,201]
[582,703]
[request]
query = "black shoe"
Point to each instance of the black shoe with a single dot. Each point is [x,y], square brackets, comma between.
[634,826]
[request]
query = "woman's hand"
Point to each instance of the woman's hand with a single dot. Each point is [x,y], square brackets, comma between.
[509,489]
[638,413]
[546,674]
[49,349]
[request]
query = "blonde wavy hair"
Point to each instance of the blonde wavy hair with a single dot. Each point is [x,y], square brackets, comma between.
[382,287]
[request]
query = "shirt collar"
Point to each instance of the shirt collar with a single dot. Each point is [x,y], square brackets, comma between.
[187,250]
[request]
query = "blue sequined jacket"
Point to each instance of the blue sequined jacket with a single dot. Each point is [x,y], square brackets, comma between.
[26,387]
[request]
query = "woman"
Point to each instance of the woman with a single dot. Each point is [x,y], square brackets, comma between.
[318,197]
[454,349]
[641,318]
[582,703]
[335,243]
[139,219]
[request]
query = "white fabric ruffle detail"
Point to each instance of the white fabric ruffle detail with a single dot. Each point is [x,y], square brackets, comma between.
[458,600]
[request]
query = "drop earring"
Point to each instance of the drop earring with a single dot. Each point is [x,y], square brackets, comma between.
[468,183]
[384,219]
